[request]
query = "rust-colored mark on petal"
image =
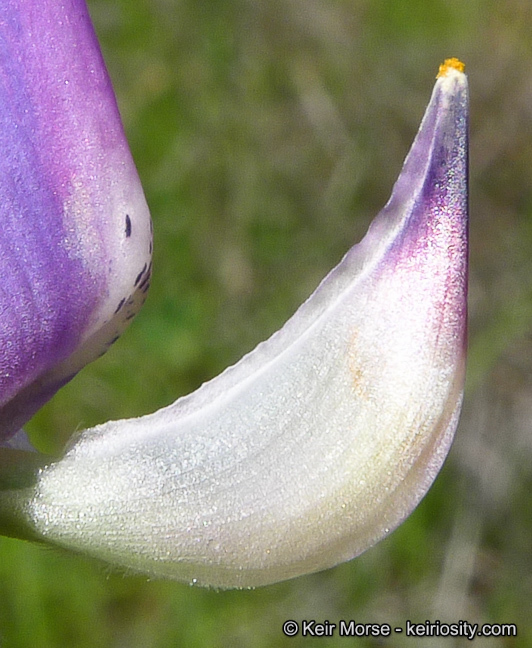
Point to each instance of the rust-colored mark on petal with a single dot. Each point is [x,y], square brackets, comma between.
[358,377]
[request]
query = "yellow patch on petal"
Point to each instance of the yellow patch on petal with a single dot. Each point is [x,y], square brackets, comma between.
[358,375]
[450,64]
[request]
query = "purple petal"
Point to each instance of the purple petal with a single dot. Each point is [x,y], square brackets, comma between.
[75,240]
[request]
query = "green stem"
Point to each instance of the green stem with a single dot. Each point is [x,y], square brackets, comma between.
[19,472]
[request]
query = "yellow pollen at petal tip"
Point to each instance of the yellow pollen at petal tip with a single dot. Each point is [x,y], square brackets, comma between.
[450,64]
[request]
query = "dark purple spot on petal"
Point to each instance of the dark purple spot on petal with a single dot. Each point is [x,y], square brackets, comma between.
[146,280]
[139,276]
[128,226]
[121,303]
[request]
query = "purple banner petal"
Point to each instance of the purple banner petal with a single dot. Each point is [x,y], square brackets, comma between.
[75,239]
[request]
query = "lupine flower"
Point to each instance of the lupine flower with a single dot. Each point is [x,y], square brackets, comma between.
[305,453]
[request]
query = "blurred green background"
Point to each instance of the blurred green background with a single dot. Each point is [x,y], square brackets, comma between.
[267,134]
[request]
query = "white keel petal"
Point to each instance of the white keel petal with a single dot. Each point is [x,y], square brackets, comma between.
[324,438]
